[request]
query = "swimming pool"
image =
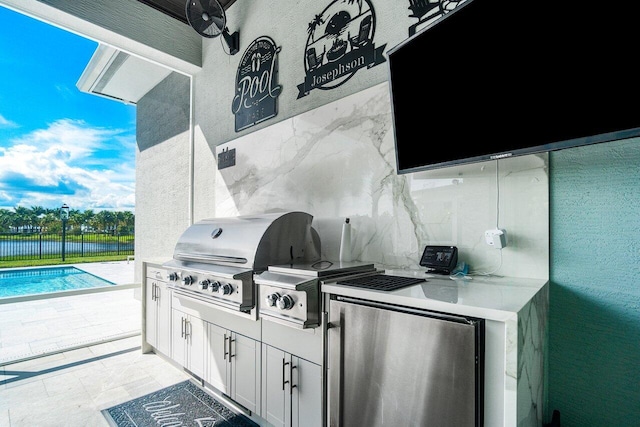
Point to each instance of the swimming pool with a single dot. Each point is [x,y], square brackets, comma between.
[32,281]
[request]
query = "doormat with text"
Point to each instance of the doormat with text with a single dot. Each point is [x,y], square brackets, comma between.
[182,404]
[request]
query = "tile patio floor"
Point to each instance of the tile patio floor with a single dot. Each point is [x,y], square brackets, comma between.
[63,360]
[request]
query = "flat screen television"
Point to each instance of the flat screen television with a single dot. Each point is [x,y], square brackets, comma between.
[499,78]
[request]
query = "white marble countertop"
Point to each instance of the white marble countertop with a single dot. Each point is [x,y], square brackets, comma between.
[487,297]
[158,262]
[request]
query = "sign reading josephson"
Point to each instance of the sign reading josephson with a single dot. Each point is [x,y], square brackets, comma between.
[340,43]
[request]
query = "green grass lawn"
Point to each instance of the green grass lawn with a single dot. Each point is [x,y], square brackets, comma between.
[68,260]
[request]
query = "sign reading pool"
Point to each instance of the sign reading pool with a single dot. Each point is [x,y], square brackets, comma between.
[29,281]
[257,87]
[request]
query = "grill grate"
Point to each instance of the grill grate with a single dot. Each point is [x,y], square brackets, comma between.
[381,282]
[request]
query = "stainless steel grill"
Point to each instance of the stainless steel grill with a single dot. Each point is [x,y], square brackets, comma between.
[215,259]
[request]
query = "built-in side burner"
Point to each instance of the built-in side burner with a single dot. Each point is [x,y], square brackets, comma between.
[381,282]
[290,293]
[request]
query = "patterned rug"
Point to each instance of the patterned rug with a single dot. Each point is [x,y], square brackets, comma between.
[182,404]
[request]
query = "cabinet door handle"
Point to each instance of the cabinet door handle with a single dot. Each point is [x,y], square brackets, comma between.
[187,328]
[231,349]
[291,385]
[283,369]
[182,327]
[224,356]
[153,291]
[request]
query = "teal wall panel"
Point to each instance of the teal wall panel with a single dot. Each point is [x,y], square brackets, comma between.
[594,325]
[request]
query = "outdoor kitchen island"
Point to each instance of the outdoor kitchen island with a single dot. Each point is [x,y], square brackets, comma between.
[515,313]
[280,373]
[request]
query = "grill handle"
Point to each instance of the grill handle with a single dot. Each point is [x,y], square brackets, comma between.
[209,258]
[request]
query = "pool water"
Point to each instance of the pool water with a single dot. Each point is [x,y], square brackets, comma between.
[19,282]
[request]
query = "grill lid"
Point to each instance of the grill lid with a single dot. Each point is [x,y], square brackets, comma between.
[250,241]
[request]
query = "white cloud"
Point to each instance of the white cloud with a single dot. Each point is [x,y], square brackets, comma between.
[66,163]
[6,123]
[72,138]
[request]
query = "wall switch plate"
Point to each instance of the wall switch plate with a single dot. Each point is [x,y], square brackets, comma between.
[226,158]
[496,237]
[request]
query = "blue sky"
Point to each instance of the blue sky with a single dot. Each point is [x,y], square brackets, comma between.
[57,144]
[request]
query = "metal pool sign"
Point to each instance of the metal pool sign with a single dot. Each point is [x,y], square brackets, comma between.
[257,87]
[340,43]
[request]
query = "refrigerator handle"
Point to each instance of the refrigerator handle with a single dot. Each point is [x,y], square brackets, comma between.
[335,330]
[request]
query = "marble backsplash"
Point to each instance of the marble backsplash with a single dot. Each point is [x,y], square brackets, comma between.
[338,161]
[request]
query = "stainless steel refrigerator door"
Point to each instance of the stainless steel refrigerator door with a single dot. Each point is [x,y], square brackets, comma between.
[391,368]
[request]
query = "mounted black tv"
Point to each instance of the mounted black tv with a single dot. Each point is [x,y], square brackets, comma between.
[500,78]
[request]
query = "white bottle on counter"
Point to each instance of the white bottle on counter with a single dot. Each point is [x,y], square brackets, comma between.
[345,242]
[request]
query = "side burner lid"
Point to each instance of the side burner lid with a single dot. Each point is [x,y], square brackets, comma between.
[324,269]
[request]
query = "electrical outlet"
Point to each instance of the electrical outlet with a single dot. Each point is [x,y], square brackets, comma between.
[496,237]
[226,158]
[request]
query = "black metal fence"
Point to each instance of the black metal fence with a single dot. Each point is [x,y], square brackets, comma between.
[23,246]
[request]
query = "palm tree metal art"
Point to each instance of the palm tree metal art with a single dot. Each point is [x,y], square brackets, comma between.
[313,25]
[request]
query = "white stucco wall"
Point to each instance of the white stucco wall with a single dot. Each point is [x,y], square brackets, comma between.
[163,157]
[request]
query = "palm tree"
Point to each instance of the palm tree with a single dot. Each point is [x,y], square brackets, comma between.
[317,20]
[6,219]
[50,221]
[88,217]
[126,221]
[106,221]
[35,217]
[75,221]
[21,218]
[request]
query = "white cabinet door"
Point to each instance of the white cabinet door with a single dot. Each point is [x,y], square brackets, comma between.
[245,371]
[158,315]
[276,402]
[178,341]
[189,342]
[196,345]
[151,312]
[306,405]
[291,389]
[163,311]
[234,366]
[218,373]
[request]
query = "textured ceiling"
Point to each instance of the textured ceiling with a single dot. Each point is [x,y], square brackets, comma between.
[176,8]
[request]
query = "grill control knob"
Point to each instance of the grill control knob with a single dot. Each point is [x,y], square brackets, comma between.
[205,284]
[173,276]
[225,289]
[215,285]
[272,299]
[285,302]
[187,280]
